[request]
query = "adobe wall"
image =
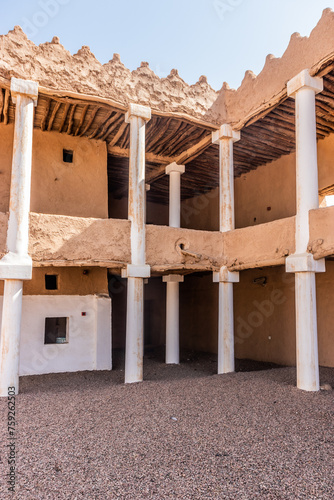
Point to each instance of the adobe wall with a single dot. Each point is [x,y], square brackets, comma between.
[6,151]
[155,213]
[199,313]
[264,316]
[78,189]
[262,195]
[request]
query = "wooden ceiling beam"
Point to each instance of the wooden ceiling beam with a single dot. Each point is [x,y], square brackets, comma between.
[150,157]
[90,121]
[166,138]
[70,122]
[64,115]
[112,126]
[150,144]
[82,119]
[53,115]
[172,145]
[101,127]
[45,115]
[118,135]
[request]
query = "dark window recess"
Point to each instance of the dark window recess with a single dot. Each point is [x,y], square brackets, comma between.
[51,282]
[67,156]
[55,331]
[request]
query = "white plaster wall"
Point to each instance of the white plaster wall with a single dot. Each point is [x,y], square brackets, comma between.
[89,336]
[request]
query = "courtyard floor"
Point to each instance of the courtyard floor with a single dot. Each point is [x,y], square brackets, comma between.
[185,433]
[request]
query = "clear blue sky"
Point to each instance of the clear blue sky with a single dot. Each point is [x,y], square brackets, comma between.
[218,38]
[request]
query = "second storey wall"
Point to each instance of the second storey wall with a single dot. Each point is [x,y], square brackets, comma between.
[77,189]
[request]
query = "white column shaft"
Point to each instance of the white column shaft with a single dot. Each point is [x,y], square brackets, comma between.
[137,117]
[304,88]
[134,331]
[175,199]
[10,336]
[225,329]
[172,324]
[307,165]
[17,241]
[226,185]
[306,331]
[225,138]
[172,294]
[137,191]
[18,225]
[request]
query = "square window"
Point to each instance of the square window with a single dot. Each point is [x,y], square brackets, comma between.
[67,156]
[56,331]
[51,282]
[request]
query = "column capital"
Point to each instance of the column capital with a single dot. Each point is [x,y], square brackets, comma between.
[138,111]
[225,132]
[173,278]
[174,167]
[225,276]
[136,271]
[25,88]
[304,81]
[15,267]
[304,263]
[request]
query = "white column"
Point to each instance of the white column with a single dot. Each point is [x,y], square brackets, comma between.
[225,137]
[172,319]
[16,265]
[175,171]
[172,293]
[304,88]
[137,116]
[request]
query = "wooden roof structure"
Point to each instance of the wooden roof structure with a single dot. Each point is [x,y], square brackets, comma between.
[263,140]
[267,130]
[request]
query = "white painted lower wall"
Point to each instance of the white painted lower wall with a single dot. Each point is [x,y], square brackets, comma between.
[89,335]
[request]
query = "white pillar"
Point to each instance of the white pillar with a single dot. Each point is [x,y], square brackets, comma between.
[137,116]
[225,137]
[225,320]
[16,265]
[172,319]
[304,88]
[172,293]
[175,171]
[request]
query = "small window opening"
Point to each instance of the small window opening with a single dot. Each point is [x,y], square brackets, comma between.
[51,282]
[56,331]
[67,156]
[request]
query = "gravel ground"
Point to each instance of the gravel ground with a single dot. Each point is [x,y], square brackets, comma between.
[185,433]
